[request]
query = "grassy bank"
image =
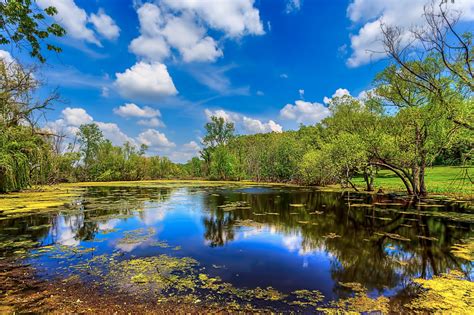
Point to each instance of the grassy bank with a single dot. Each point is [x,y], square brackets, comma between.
[442,180]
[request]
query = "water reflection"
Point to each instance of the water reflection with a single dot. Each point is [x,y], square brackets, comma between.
[285,237]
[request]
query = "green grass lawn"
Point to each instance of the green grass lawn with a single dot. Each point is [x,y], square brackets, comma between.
[449,180]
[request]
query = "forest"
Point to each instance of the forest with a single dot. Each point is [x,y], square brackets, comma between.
[365,210]
[418,114]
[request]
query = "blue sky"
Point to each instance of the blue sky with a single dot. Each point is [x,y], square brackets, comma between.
[154,71]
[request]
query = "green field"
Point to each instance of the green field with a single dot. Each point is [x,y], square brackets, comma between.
[450,180]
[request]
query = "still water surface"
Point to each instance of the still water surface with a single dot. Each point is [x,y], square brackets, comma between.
[286,238]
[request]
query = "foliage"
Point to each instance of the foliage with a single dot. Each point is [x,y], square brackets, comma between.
[25,151]
[22,23]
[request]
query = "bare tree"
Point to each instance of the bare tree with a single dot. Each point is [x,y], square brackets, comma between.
[439,40]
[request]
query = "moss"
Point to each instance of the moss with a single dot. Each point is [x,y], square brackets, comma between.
[448,293]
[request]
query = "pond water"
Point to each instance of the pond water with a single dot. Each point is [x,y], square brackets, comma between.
[217,242]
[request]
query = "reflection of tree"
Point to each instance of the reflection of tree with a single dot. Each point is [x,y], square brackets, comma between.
[378,247]
[97,205]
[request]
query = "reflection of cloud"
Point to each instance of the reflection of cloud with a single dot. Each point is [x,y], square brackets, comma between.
[252,232]
[292,242]
[66,230]
[109,224]
[295,243]
[154,215]
[127,247]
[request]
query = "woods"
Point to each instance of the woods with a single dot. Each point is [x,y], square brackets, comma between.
[418,113]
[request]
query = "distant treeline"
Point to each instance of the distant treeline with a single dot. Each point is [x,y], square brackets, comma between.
[419,112]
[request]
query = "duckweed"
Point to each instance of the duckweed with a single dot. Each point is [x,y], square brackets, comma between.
[448,293]
[464,250]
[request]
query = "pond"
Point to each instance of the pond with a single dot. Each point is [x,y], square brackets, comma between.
[272,247]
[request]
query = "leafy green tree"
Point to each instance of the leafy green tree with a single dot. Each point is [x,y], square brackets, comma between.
[218,133]
[223,163]
[25,150]
[421,125]
[24,25]
[90,138]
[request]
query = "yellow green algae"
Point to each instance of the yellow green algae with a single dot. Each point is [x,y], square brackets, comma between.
[360,302]
[21,203]
[464,250]
[236,205]
[448,293]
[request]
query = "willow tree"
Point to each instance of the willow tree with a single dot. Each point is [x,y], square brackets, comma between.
[25,151]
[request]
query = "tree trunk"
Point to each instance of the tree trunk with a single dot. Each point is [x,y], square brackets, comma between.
[402,175]
[369,178]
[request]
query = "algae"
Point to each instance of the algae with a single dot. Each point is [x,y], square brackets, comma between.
[448,293]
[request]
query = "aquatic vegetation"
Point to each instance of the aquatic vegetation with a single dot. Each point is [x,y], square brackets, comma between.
[248,223]
[159,273]
[236,205]
[359,303]
[137,236]
[135,263]
[448,293]
[30,202]
[269,294]
[464,250]
[392,236]
[331,235]
[307,298]
[361,205]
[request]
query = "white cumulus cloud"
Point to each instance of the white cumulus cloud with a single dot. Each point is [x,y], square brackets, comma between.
[234,17]
[105,25]
[339,92]
[368,15]
[244,123]
[76,116]
[75,21]
[155,140]
[133,110]
[183,26]
[145,81]
[305,112]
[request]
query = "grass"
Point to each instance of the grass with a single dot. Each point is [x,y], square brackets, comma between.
[443,180]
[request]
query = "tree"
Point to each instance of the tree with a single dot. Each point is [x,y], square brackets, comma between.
[218,133]
[25,149]
[223,163]
[421,126]
[356,126]
[23,24]
[441,42]
[89,137]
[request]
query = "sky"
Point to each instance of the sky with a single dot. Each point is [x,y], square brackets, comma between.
[153,72]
